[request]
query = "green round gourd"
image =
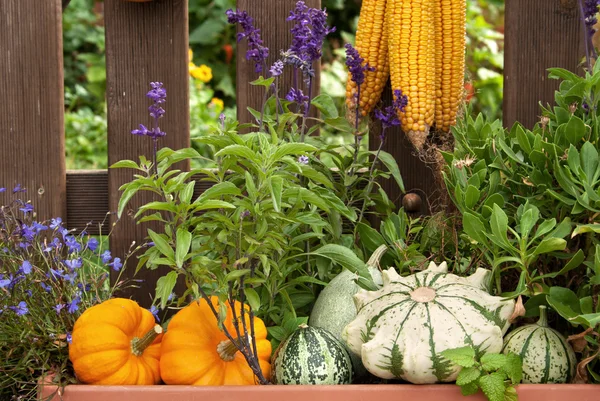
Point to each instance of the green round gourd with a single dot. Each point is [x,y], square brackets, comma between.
[334,309]
[546,354]
[311,355]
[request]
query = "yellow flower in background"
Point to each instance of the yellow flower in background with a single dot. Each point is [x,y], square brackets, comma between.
[217,103]
[203,73]
[191,64]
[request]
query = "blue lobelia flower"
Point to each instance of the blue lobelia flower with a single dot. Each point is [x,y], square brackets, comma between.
[26,267]
[106,256]
[21,309]
[116,264]
[73,306]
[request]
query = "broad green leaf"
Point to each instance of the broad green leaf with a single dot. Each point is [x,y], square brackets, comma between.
[212,204]
[492,386]
[125,164]
[219,190]
[586,228]
[316,176]
[472,196]
[545,227]
[326,106]
[240,151]
[550,245]
[251,187]
[369,237]
[528,221]
[564,301]
[347,259]
[474,228]
[463,356]
[499,225]
[276,188]
[188,192]
[469,389]
[162,245]
[125,198]
[165,286]
[291,149]
[252,298]
[166,206]
[392,166]
[575,261]
[266,82]
[340,123]
[236,274]
[184,240]
[590,320]
[575,130]
[510,394]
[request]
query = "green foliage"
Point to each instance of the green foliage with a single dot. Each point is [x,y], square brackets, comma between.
[495,374]
[86,139]
[529,201]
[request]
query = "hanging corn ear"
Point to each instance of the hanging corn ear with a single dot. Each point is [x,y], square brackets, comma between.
[412,63]
[450,25]
[372,45]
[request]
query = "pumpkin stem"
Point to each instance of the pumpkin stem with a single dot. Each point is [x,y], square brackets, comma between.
[543,321]
[227,349]
[138,345]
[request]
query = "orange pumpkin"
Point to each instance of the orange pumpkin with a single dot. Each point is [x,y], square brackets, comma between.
[116,342]
[195,351]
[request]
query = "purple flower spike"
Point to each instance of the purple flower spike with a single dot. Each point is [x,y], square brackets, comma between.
[277,68]
[256,51]
[158,94]
[355,65]
[389,115]
[296,95]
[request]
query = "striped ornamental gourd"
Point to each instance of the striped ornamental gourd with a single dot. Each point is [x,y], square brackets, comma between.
[311,355]
[422,49]
[401,329]
[546,354]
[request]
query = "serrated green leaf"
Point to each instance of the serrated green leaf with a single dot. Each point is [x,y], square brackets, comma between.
[469,389]
[513,368]
[510,394]
[492,386]
[468,375]
[347,259]
[463,356]
[240,151]
[492,362]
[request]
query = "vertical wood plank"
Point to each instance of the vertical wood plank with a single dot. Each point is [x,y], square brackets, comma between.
[418,177]
[144,42]
[32,114]
[270,17]
[539,34]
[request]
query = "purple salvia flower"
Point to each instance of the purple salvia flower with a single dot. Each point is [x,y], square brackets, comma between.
[389,115]
[158,94]
[277,68]
[356,65]
[296,95]
[142,131]
[256,51]
[590,13]
[222,120]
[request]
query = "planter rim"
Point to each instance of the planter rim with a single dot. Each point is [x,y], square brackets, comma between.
[358,392]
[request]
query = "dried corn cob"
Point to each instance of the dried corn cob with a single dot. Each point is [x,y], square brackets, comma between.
[372,45]
[449,22]
[412,63]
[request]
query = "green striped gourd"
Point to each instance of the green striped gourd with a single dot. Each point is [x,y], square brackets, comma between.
[401,329]
[312,355]
[546,354]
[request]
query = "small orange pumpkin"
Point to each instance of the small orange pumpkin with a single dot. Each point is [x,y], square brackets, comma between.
[194,351]
[116,342]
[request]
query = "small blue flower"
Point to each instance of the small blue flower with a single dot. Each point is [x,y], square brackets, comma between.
[171,296]
[106,256]
[2,190]
[29,293]
[154,310]
[92,244]
[69,338]
[21,309]
[74,305]
[59,307]
[18,188]
[70,277]
[38,227]
[27,208]
[303,159]
[116,264]
[55,223]
[72,244]
[55,273]
[73,263]
[46,287]
[26,267]
[5,282]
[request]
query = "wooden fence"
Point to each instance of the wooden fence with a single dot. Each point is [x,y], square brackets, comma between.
[148,42]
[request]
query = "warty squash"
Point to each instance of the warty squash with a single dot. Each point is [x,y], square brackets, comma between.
[195,351]
[401,329]
[118,343]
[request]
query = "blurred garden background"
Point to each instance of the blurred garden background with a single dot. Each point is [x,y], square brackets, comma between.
[212,70]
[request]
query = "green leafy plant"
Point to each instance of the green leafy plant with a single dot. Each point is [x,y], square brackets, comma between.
[495,374]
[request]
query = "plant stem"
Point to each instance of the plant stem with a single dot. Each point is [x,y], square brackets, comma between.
[264,105]
[369,187]
[138,345]
[585,36]
[357,138]
[306,109]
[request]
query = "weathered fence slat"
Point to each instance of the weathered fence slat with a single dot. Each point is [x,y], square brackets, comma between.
[270,17]
[539,34]
[32,150]
[144,42]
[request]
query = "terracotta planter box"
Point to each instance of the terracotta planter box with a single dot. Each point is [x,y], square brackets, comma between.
[388,392]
